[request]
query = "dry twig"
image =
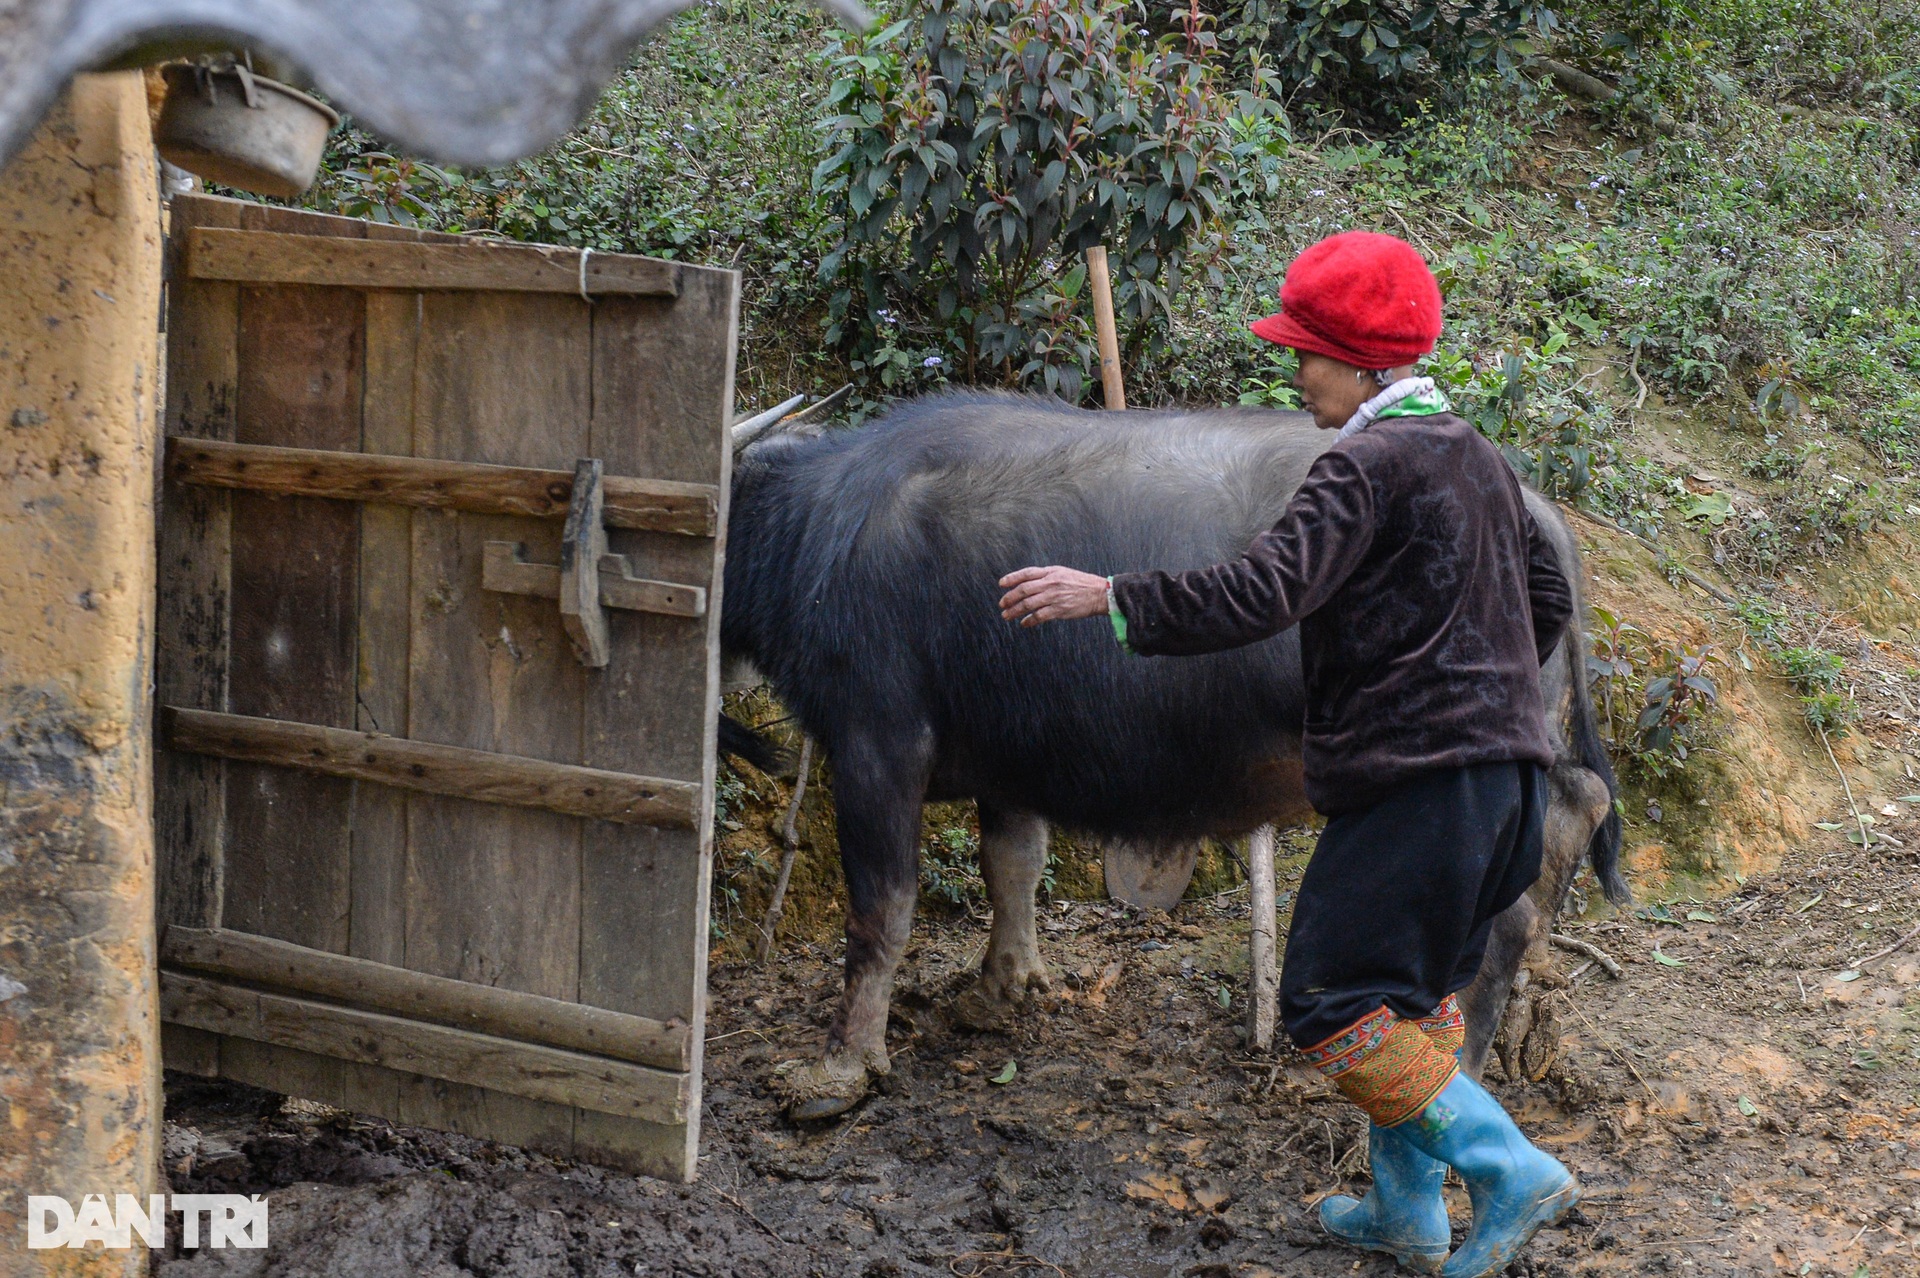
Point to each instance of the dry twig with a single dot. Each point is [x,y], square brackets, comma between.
[1866,840]
[1654,546]
[987,1264]
[1890,949]
[1591,950]
[747,1211]
[790,840]
[1617,1053]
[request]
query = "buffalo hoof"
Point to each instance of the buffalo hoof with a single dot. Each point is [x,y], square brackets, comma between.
[1000,995]
[813,1090]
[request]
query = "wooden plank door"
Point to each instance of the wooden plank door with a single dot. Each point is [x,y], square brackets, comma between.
[424,854]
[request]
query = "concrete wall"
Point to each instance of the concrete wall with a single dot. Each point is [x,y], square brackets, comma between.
[79,303]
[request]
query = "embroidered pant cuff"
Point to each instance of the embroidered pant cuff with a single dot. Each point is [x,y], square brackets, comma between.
[1385,1065]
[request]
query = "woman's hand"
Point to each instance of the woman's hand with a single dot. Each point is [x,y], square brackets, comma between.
[1035,595]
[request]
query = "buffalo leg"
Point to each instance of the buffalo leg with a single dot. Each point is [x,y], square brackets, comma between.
[1484,1002]
[1577,803]
[1013,856]
[878,800]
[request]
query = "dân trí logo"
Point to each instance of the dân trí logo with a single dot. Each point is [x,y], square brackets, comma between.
[206,1220]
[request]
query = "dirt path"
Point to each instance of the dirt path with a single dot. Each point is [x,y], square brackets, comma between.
[1751,1109]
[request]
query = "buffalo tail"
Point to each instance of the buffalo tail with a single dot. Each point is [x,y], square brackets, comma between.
[749,746]
[1604,849]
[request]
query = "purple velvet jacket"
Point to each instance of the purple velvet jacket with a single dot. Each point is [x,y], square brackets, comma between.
[1427,600]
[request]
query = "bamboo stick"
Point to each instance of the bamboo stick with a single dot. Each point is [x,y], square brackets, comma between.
[1263,1006]
[1111,381]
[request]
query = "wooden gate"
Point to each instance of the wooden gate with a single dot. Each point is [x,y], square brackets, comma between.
[440,548]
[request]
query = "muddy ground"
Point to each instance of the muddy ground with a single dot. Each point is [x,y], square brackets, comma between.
[1739,1103]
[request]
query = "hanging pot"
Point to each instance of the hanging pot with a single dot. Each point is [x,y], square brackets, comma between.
[230,126]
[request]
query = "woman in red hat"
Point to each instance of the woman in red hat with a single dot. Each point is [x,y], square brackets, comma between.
[1427,601]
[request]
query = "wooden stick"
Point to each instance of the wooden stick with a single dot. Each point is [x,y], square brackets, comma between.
[268,257]
[1654,546]
[581,546]
[378,987]
[790,838]
[1111,382]
[1591,950]
[1262,1011]
[435,769]
[653,505]
[549,1074]
[1890,949]
[505,571]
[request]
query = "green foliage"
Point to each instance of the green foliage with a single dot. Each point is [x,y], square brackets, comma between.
[1833,713]
[731,795]
[1750,266]
[1817,676]
[950,866]
[1677,701]
[1652,741]
[979,146]
[1813,669]
[1272,386]
[1617,650]
[1547,439]
[1763,620]
[1352,43]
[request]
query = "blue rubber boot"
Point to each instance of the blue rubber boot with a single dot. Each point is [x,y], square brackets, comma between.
[1516,1190]
[1403,1214]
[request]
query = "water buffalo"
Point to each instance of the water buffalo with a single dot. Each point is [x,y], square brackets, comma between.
[860,579]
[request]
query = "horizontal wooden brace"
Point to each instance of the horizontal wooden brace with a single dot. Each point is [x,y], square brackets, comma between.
[507,572]
[459,1056]
[269,257]
[651,505]
[379,987]
[436,769]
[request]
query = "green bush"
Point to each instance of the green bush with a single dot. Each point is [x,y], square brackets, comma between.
[979,146]
[1354,45]
[1548,436]
[1817,675]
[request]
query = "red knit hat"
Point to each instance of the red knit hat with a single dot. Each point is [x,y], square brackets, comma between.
[1363,298]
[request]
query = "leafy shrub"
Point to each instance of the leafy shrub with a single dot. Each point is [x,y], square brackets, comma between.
[1677,701]
[1272,385]
[1763,620]
[1817,675]
[1616,651]
[1679,694]
[950,866]
[1813,669]
[1548,440]
[1354,43]
[981,146]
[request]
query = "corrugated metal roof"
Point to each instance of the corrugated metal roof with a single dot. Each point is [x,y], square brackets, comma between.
[463,81]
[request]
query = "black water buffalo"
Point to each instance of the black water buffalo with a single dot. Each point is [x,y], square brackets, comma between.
[860,579]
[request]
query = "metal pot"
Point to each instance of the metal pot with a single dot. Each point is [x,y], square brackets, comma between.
[233,127]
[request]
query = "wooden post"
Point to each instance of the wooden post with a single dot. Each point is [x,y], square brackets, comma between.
[1262,1006]
[1111,381]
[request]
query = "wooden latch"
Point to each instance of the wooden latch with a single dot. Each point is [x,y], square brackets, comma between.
[581,546]
[587,580]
